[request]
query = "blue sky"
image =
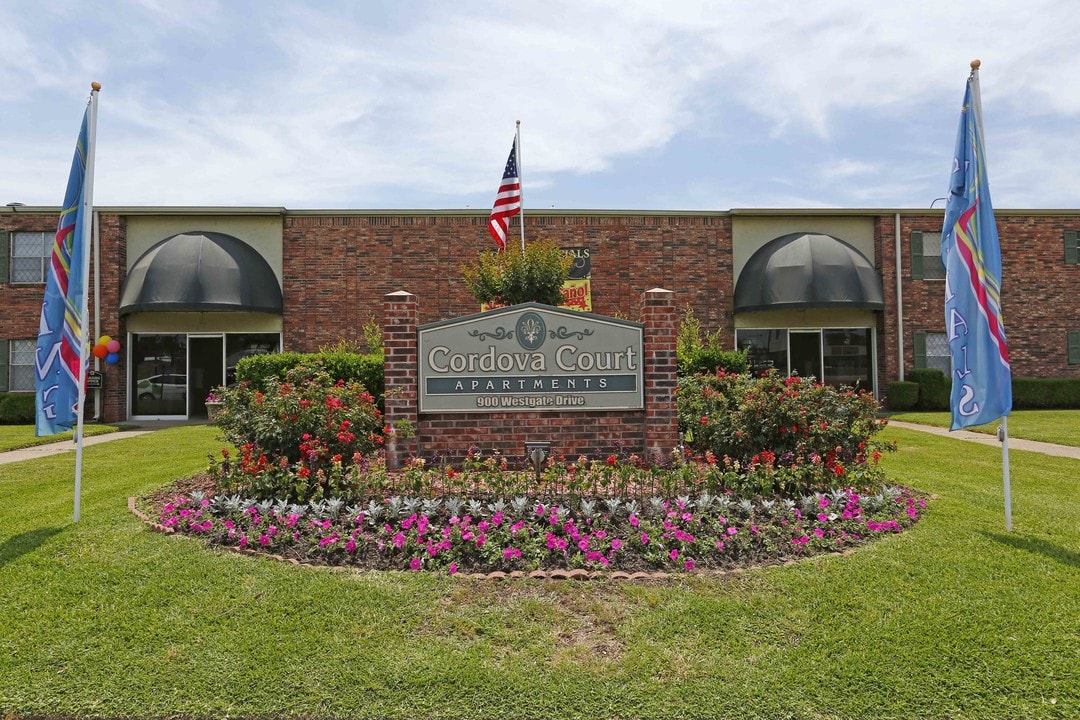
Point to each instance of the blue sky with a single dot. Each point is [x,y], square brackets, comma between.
[624,104]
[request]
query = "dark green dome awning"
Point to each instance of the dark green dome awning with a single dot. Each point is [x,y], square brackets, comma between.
[808,270]
[201,272]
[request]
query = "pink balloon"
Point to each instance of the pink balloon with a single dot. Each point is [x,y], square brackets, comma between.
[113,346]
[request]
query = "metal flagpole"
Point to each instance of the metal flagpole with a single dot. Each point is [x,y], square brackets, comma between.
[1003,436]
[521,183]
[87,213]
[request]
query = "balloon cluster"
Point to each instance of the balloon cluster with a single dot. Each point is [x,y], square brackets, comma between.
[108,350]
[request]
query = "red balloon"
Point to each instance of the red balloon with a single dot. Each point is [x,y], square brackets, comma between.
[100,351]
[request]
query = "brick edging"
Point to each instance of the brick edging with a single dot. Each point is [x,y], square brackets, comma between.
[513,575]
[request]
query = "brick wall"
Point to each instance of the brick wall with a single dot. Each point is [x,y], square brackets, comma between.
[336,270]
[651,432]
[1038,293]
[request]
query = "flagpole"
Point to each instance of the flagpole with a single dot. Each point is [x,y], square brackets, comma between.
[87,212]
[1003,429]
[1003,436]
[521,183]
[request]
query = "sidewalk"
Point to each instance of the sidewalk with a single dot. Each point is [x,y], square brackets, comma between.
[984,439]
[1014,443]
[57,448]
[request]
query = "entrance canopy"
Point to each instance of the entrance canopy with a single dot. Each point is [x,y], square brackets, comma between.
[808,270]
[201,272]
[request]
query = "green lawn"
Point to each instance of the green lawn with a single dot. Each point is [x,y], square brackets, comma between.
[1052,426]
[13,437]
[954,619]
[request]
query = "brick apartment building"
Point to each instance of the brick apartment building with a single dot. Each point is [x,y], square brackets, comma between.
[845,295]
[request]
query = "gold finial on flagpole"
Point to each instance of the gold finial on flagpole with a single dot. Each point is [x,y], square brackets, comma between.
[517,122]
[976,63]
[95,86]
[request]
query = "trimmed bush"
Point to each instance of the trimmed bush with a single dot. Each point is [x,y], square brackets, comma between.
[710,359]
[934,388]
[366,369]
[1045,393]
[17,408]
[902,395]
[536,274]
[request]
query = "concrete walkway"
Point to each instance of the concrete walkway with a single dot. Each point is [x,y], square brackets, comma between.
[984,439]
[57,448]
[1014,443]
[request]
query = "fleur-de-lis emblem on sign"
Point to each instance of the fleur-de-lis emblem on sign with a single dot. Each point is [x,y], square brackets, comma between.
[532,330]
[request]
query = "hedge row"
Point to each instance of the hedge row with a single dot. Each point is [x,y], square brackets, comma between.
[17,408]
[928,389]
[340,364]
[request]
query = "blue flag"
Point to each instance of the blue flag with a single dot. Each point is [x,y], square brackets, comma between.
[61,331]
[981,377]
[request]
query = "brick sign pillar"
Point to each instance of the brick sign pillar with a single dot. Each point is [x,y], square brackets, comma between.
[400,315]
[660,318]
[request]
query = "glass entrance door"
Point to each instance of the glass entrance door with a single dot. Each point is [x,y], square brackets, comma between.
[805,353]
[206,370]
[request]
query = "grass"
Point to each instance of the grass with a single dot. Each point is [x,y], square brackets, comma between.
[953,619]
[13,437]
[1052,426]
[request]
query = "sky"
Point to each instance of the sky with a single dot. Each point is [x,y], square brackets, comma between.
[624,105]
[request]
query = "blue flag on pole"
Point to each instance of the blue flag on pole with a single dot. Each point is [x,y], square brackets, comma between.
[61,334]
[981,376]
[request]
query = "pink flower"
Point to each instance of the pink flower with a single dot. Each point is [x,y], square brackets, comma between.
[453,568]
[644,539]
[264,540]
[732,530]
[633,521]
[616,544]
[350,546]
[511,552]
[674,554]
[824,502]
[689,565]
[399,540]
[719,544]
[415,563]
[583,544]
[516,527]
[818,532]
[243,541]
[823,517]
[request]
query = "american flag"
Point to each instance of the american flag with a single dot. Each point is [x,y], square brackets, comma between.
[507,202]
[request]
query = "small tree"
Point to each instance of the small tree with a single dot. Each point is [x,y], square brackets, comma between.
[536,275]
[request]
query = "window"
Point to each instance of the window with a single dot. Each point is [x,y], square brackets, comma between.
[932,351]
[1074,347]
[21,365]
[1072,247]
[30,253]
[836,356]
[926,256]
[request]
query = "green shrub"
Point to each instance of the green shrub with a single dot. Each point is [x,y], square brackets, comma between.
[710,359]
[1045,393]
[902,395]
[513,277]
[789,435]
[700,352]
[367,369]
[17,408]
[934,388]
[294,435]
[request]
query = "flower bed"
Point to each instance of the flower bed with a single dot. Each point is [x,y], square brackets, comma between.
[780,468]
[488,533]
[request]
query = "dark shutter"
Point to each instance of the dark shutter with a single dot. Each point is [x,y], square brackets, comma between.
[5,251]
[3,366]
[1074,347]
[920,350]
[916,255]
[1072,247]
